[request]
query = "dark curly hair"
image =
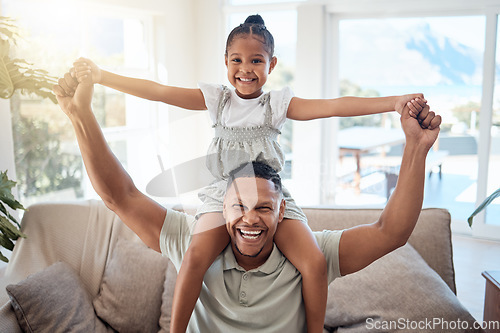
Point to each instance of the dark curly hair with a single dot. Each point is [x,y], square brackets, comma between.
[257,170]
[253,25]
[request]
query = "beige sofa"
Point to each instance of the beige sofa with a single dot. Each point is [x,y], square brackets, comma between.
[106,280]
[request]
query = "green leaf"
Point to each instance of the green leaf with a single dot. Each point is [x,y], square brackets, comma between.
[19,74]
[6,195]
[483,205]
[6,242]
[4,210]
[8,31]
[9,230]
[3,258]
[6,85]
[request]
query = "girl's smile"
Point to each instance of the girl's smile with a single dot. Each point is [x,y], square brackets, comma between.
[248,66]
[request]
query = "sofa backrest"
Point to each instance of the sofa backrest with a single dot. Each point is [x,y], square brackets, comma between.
[431,237]
[83,233]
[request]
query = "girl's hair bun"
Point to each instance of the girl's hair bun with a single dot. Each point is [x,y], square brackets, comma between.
[255,19]
[254,25]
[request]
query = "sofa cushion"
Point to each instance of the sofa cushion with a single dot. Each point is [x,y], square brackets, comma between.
[52,299]
[431,237]
[8,322]
[130,295]
[395,293]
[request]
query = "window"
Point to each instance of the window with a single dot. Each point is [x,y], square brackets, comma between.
[448,54]
[48,162]
[438,56]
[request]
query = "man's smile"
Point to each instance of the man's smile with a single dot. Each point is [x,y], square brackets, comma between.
[250,234]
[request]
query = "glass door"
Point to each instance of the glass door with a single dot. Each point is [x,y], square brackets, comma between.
[451,59]
[438,56]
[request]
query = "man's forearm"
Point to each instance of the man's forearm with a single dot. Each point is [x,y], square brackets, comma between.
[109,179]
[403,208]
[361,245]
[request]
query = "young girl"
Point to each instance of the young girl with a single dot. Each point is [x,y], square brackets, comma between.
[247,123]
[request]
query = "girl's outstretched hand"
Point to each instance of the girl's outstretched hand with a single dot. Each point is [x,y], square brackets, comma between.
[417,100]
[416,106]
[84,68]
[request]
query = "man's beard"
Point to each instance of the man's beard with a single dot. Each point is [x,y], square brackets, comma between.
[247,255]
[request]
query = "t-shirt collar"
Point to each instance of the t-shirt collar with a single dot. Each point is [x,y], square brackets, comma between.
[276,258]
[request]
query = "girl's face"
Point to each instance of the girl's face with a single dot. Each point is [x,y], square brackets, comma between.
[248,65]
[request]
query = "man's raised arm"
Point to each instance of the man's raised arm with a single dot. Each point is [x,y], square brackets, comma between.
[111,182]
[361,245]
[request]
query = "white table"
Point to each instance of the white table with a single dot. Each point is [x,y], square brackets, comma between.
[359,140]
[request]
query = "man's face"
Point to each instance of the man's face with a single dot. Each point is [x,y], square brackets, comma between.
[252,209]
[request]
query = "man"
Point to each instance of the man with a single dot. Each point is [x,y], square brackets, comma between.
[251,286]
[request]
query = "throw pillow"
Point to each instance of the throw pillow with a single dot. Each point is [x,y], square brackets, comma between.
[54,300]
[397,293]
[130,295]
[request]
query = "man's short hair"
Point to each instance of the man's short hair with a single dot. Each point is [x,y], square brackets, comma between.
[257,170]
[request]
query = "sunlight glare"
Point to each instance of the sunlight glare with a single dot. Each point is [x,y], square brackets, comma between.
[53,19]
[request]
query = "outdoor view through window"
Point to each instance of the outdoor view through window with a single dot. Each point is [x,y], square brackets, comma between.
[48,163]
[441,57]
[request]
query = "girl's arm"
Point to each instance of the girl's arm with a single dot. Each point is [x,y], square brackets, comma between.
[186,98]
[308,109]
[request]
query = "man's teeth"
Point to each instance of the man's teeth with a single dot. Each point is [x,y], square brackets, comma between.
[250,234]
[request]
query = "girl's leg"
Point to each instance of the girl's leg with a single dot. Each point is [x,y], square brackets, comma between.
[296,241]
[210,238]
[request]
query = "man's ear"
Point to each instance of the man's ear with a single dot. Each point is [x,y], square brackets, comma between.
[273,63]
[282,210]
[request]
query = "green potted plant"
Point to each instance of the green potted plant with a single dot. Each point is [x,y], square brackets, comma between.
[9,226]
[483,205]
[16,75]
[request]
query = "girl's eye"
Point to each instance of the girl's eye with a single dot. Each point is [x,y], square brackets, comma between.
[256,61]
[236,60]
